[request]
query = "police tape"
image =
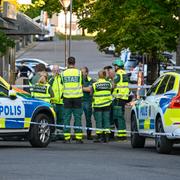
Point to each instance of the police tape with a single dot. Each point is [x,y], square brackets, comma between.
[153,134]
[129,86]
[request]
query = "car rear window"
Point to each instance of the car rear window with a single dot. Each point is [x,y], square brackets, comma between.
[170,84]
[163,84]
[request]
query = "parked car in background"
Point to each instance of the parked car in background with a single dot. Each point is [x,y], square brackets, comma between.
[32,62]
[109,50]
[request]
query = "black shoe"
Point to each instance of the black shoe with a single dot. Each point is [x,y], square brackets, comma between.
[98,139]
[67,141]
[89,137]
[79,141]
[111,135]
[105,138]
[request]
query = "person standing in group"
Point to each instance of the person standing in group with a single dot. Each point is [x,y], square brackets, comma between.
[109,73]
[57,101]
[121,95]
[110,77]
[42,89]
[87,99]
[38,69]
[102,100]
[72,97]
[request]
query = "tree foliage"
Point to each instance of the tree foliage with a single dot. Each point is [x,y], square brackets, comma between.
[150,26]
[33,10]
[6,42]
[141,25]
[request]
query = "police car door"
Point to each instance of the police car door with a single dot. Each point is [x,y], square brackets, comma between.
[11,111]
[147,110]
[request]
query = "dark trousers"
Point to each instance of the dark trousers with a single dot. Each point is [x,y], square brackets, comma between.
[87,108]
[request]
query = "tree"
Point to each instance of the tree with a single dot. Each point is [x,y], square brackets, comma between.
[143,26]
[33,10]
[6,42]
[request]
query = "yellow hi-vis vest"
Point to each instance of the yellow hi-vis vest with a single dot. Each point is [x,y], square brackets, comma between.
[41,91]
[57,88]
[119,91]
[72,83]
[102,93]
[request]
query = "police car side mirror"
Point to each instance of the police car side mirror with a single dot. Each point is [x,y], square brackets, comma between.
[12,94]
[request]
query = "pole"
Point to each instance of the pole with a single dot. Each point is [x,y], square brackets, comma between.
[65,45]
[70,28]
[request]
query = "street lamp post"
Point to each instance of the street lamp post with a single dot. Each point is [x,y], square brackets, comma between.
[65,4]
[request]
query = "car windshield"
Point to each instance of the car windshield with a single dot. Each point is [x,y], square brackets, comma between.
[130,63]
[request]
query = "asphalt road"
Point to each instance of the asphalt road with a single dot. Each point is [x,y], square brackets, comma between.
[85,52]
[88,161]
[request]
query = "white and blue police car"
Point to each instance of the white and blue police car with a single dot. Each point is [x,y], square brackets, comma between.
[24,116]
[157,114]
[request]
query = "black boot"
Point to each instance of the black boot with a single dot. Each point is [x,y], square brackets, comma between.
[105,137]
[111,136]
[98,138]
[89,137]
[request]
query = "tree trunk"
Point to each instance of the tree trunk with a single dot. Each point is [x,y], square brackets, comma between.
[152,68]
[83,30]
[178,45]
[178,53]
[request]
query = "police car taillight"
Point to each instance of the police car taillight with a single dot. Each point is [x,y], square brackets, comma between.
[175,102]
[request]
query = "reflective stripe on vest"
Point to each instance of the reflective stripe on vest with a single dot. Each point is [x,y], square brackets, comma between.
[57,88]
[102,93]
[119,91]
[41,91]
[72,83]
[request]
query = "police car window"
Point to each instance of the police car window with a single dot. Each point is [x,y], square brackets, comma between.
[3,91]
[170,84]
[153,88]
[163,84]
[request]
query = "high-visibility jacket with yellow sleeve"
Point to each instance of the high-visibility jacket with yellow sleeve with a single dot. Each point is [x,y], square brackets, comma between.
[119,91]
[102,93]
[72,83]
[41,91]
[57,88]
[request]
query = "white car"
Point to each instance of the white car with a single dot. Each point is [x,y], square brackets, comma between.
[32,62]
[157,114]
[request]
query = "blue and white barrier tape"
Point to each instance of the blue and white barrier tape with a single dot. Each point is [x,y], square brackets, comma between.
[94,129]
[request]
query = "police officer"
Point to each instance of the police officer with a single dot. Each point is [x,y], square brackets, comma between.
[121,96]
[87,99]
[102,100]
[72,94]
[57,101]
[42,89]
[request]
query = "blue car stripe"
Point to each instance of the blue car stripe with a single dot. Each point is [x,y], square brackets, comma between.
[14,125]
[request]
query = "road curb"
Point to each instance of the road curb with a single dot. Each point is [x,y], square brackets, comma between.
[23,50]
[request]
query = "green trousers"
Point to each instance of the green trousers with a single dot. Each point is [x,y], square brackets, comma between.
[87,108]
[102,119]
[77,113]
[59,109]
[118,116]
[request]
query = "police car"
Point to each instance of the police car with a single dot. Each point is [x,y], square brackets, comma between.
[158,114]
[23,116]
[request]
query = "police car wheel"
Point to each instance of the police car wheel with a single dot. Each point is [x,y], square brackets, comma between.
[163,145]
[137,141]
[40,134]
